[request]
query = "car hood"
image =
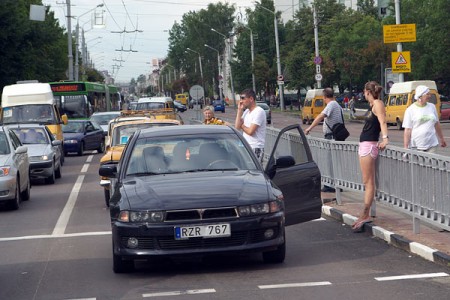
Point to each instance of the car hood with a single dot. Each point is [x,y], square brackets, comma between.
[5,159]
[113,154]
[73,136]
[38,149]
[196,190]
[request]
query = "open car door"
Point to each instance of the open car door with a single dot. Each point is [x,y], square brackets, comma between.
[292,168]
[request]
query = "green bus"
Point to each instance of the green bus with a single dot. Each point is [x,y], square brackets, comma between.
[79,99]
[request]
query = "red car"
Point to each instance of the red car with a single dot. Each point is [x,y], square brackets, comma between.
[445,111]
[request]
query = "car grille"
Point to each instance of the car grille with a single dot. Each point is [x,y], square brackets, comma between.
[201,214]
[170,243]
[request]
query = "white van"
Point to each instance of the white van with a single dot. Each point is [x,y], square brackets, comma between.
[155,103]
[401,95]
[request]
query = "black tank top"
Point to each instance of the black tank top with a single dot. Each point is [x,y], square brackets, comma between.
[372,128]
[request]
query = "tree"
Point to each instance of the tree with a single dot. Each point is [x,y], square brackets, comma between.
[30,49]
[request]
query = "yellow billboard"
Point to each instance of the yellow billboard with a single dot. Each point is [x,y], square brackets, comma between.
[400,33]
[401,62]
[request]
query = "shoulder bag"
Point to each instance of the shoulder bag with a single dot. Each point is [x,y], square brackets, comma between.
[340,133]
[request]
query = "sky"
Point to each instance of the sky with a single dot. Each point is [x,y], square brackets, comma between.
[147,24]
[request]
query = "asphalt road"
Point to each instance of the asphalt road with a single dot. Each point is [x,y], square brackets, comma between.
[282,119]
[58,246]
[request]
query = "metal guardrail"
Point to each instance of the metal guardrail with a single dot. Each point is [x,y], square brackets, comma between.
[416,183]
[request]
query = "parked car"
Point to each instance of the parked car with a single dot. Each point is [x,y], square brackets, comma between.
[267,110]
[81,135]
[445,111]
[14,169]
[179,107]
[219,105]
[103,118]
[161,205]
[44,152]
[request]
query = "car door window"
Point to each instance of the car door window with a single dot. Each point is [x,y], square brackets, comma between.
[14,140]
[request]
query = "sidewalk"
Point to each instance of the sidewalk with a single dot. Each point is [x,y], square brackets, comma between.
[392,226]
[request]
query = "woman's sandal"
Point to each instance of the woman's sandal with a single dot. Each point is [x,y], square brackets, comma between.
[358,226]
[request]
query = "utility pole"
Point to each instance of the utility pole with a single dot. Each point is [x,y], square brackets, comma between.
[316,45]
[69,40]
[401,77]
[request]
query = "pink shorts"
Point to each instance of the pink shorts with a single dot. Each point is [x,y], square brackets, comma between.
[368,148]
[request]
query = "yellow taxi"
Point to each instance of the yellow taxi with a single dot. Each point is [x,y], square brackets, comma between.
[313,106]
[119,132]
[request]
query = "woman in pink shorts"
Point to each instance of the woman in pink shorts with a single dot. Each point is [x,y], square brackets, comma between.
[369,147]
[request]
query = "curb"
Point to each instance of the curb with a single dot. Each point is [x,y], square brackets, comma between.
[391,238]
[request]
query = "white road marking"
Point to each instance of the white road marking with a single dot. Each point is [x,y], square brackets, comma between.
[54,236]
[289,285]
[178,293]
[61,225]
[415,276]
[84,168]
[89,158]
[319,219]
[82,299]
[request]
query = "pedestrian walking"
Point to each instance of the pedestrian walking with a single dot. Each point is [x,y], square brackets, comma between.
[251,119]
[369,146]
[423,131]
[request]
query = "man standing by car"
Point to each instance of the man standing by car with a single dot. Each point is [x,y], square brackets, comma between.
[331,115]
[251,119]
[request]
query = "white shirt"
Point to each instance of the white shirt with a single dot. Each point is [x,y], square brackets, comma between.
[421,120]
[256,116]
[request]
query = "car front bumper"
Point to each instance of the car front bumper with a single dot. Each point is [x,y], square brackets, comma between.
[41,169]
[247,235]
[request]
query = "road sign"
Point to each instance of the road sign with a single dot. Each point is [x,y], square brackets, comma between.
[318,77]
[401,62]
[317,69]
[280,77]
[317,60]
[280,82]
[196,92]
[400,33]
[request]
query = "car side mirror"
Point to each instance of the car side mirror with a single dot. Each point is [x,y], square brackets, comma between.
[285,161]
[108,170]
[56,142]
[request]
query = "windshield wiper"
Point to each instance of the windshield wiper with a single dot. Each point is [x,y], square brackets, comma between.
[138,174]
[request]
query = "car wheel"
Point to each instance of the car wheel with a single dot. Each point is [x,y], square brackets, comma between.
[14,204]
[63,157]
[399,125]
[107,197]
[101,148]
[81,149]
[223,111]
[26,194]
[122,266]
[58,172]
[51,179]
[276,256]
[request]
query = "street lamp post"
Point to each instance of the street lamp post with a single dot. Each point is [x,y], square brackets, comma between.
[228,47]
[253,56]
[77,65]
[200,62]
[277,45]
[220,71]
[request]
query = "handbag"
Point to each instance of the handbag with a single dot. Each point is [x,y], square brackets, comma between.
[340,133]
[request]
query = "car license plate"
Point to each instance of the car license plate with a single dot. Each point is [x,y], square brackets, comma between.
[205,231]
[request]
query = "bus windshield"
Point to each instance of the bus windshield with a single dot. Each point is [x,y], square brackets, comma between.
[32,113]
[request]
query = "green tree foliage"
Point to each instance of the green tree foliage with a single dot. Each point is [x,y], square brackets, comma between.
[30,49]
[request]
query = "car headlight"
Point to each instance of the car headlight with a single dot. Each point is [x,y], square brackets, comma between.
[70,141]
[39,158]
[4,171]
[259,209]
[141,216]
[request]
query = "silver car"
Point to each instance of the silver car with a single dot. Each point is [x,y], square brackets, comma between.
[44,151]
[14,169]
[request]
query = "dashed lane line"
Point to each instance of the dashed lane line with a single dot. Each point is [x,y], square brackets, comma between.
[290,285]
[413,276]
[179,293]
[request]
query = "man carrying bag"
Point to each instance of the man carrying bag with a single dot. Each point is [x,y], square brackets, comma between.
[332,116]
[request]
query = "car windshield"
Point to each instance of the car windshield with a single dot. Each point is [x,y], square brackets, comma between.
[178,154]
[4,148]
[150,106]
[73,127]
[31,135]
[103,119]
[40,113]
